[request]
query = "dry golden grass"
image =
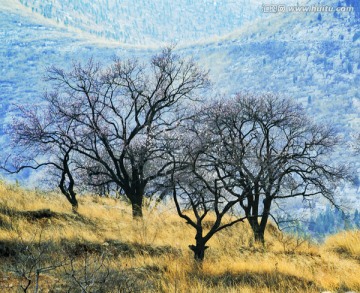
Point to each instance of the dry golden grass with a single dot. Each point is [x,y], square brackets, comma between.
[151,255]
[346,243]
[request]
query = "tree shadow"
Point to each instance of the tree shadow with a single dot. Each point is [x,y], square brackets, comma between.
[275,281]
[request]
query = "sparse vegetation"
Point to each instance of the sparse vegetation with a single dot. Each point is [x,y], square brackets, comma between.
[102,247]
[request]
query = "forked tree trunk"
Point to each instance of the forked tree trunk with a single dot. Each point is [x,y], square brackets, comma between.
[258,230]
[258,225]
[199,250]
[259,237]
[68,188]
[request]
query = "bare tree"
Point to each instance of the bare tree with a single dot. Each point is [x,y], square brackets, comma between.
[33,259]
[198,190]
[39,141]
[269,151]
[114,119]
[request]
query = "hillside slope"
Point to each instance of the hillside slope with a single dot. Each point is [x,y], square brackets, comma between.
[103,249]
[151,255]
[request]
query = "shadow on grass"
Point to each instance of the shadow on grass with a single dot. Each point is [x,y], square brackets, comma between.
[78,247]
[117,248]
[346,253]
[46,214]
[10,249]
[274,281]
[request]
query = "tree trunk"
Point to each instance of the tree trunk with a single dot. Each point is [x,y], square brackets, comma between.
[200,247]
[258,231]
[199,250]
[73,201]
[259,228]
[27,285]
[137,200]
[136,205]
[75,207]
[259,236]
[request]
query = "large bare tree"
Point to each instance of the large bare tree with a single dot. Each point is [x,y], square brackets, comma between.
[268,150]
[114,119]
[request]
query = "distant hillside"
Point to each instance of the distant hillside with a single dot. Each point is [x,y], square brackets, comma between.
[150,21]
[162,21]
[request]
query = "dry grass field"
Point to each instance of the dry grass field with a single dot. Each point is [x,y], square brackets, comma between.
[103,250]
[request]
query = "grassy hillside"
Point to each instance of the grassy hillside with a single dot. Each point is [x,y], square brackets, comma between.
[103,250]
